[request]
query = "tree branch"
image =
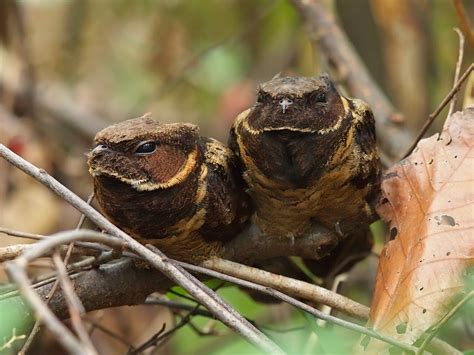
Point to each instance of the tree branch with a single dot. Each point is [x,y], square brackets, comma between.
[252,245]
[289,286]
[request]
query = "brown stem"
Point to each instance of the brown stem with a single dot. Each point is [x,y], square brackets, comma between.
[440,108]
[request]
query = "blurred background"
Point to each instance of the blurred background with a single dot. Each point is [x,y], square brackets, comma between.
[70,67]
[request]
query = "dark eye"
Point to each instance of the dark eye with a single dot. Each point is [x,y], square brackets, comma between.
[146,148]
[320,97]
[260,98]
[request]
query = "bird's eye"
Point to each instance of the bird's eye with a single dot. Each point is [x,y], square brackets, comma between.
[146,148]
[320,97]
[260,98]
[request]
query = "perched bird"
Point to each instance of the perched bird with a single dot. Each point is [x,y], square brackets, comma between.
[308,156]
[166,185]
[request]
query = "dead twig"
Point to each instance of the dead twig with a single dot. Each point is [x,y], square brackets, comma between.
[16,271]
[34,236]
[108,332]
[285,298]
[289,286]
[457,72]
[69,252]
[74,304]
[435,329]
[440,108]
[10,252]
[9,343]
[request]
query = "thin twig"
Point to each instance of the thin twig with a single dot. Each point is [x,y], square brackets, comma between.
[73,270]
[43,248]
[177,306]
[457,72]
[435,329]
[152,301]
[149,342]
[107,331]
[46,245]
[20,234]
[164,336]
[16,270]
[9,343]
[17,273]
[208,298]
[440,107]
[69,251]
[75,306]
[10,252]
[85,245]
[285,298]
[289,286]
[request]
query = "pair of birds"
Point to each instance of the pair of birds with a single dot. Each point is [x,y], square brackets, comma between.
[303,154]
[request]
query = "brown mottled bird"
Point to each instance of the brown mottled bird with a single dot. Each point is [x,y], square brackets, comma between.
[308,156]
[166,185]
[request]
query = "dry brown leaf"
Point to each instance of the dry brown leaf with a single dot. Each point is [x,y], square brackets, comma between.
[430,203]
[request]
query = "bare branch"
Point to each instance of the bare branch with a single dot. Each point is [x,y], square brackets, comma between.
[285,298]
[457,72]
[435,329]
[34,236]
[12,251]
[74,304]
[8,344]
[70,250]
[16,270]
[252,245]
[440,107]
[289,286]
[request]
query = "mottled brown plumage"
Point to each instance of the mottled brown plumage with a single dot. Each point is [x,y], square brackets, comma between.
[166,185]
[308,156]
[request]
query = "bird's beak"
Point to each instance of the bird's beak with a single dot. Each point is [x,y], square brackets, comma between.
[96,151]
[285,103]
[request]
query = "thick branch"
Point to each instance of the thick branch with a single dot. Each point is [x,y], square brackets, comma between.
[342,57]
[253,246]
[110,285]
